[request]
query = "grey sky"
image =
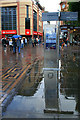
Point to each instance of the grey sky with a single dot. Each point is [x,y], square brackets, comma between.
[51,5]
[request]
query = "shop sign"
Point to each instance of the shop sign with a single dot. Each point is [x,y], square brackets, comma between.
[39,33]
[27,32]
[9,32]
[34,33]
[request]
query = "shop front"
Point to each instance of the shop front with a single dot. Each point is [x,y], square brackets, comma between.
[8,33]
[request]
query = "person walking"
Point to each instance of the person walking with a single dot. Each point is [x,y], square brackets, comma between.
[25,41]
[18,44]
[22,43]
[37,40]
[4,42]
[10,44]
[33,42]
[14,45]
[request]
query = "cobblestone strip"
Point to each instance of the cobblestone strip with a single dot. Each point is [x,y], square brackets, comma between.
[12,84]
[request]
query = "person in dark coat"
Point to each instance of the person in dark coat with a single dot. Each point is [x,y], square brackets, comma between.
[14,45]
[33,42]
[4,43]
[18,44]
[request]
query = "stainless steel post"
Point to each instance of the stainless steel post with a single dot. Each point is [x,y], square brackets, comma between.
[51,67]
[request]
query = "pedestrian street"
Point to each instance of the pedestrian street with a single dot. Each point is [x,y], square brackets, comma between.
[15,66]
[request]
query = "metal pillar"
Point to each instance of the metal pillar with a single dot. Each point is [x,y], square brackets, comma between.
[51,67]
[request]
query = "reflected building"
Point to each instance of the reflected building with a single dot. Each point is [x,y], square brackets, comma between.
[32,80]
[70,84]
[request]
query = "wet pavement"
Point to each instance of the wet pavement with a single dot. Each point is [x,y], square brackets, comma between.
[29,100]
[15,66]
[70,79]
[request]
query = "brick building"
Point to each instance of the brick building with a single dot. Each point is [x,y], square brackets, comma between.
[22,17]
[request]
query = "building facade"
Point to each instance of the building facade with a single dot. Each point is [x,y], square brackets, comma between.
[22,17]
[68,27]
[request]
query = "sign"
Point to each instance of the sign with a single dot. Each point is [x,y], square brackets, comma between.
[64,30]
[9,32]
[51,16]
[50,46]
[69,16]
[27,32]
[64,16]
[39,33]
[34,33]
[50,38]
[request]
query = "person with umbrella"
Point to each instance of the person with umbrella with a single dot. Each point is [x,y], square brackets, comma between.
[16,36]
[18,44]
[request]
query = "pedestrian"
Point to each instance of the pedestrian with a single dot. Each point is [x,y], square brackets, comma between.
[40,40]
[25,41]
[33,42]
[37,40]
[62,44]
[7,41]
[14,45]
[4,43]
[10,44]
[22,43]
[18,44]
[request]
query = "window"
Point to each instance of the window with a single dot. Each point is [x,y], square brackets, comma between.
[34,20]
[27,23]
[27,7]
[8,18]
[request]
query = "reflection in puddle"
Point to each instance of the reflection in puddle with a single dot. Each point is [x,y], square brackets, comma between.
[30,96]
[69,83]
[30,84]
[30,100]
[27,106]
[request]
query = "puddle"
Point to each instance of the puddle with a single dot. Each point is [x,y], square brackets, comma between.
[69,82]
[30,100]
[32,104]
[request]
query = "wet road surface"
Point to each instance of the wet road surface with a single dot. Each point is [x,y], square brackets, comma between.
[29,101]
[15,66]
[70,78]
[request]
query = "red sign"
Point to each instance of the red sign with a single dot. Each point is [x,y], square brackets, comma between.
[34,33]
[9,32]
[27,32]
[39,33]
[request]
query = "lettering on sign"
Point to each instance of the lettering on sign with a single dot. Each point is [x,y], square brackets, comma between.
[69,16]
[51,16]
[64,16]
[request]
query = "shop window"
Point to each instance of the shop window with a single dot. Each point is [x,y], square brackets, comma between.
[27,7]
[27,23]
[8,17]
[34,20]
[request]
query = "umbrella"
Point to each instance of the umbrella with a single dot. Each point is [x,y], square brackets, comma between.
[16,36]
